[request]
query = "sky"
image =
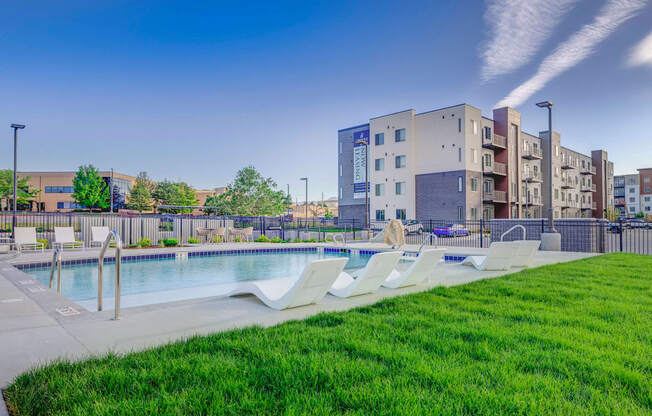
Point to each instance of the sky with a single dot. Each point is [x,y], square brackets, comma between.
[194,91]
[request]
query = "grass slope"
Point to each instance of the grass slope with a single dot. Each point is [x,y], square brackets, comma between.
[573,338]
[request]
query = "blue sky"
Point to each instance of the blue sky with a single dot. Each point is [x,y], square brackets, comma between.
[194,91]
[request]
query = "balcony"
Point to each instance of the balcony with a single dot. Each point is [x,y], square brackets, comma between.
[495,197]
[532,154]
[533,200]
[569,204]
[532,177]
[495,142]
[587,170]
[588,205]
[587,188]
[568,183]
[568,164]
[496,169]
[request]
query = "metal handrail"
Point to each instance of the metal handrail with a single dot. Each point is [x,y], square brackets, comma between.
[512,229]
[56,259]
[113,235]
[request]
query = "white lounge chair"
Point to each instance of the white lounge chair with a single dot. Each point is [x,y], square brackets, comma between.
[98,235]
[369,279]
[282,293]
[25,237]
[418,272]
[64,237]
[500,257]
[525,251]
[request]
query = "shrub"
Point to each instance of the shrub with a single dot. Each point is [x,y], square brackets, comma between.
[145,242]
[193,240]
[237,240]
[262,239]
[132,246]
[43,240]
[170,242]
[276,240]
[217,239]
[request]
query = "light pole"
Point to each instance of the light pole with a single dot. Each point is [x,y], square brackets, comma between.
[366,181]
[16,127]
[306,179]
[551,219]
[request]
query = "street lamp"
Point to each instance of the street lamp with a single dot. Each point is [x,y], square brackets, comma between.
[551,220]
[366,181]
[16,127]
[306,179]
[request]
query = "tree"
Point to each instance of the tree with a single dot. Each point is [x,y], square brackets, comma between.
[24,194]
[174,193]
[250,194]
[89,189]
[140,195]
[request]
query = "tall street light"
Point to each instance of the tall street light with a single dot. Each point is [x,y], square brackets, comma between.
[551,220]
[16,127]
[366,181]
[306,179]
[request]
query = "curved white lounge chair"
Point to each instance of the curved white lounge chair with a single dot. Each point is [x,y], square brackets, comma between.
[25,237]
[419,271]
[99,235]
[64,237]
[500,257]
[525,251]
[312,285]
[369,279]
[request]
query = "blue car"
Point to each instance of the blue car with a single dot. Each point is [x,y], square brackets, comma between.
[454,230]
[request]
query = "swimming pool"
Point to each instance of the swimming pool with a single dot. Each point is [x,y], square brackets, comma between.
[150,281]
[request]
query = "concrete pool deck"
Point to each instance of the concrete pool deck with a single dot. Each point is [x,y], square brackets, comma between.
[37,325]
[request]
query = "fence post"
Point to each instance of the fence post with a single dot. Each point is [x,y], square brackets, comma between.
[352,228]
[620,231]
[481,233]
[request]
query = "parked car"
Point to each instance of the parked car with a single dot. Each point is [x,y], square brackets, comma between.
[614,227]
[412,227]
[453,230]
[638,223]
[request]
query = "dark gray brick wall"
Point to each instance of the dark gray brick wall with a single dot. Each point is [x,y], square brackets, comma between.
[348,212]
[437,195]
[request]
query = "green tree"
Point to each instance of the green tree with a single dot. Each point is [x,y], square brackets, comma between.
[249,194]
[24,194]
[175,193]
[89,189]
[140,195]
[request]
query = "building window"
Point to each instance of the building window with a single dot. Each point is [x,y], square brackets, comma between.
[487,132]
[474,124]
[380,189]
[340,170]
[556,150]
[460,184]
[459,125]
[474,184]
[488,187]
[632,199]
[399,135]
[59,189]
[646,180]
[400,214]
[488,160]
[400,161]
[647,199]
[556,193]
[474,155]
[400,188]
[379,139]
[340,147]
[68,205]
[379,164]
[459,154]
[380,215]
[460,213]
[341,192]
[474,213]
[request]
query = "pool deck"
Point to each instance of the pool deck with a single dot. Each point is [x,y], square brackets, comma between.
[37,325]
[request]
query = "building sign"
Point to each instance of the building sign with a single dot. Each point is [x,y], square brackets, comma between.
[359,163]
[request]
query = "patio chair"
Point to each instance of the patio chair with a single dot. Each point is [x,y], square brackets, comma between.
[283,293]
[500,257]
[369,279]
[422,268]
[99,235]
[25,237]
[64,237]
[525,251]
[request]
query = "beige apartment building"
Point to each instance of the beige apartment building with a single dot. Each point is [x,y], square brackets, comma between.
[55,190]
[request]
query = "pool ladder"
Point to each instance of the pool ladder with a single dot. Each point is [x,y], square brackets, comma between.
[113,236]
[56,261]
[512,229]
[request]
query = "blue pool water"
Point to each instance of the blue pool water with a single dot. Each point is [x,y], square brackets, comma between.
[163,280]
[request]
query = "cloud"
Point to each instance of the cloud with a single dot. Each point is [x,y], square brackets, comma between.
[642,53]
[518,29]
[577,48]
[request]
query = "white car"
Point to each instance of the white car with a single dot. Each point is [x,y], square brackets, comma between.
[412,227]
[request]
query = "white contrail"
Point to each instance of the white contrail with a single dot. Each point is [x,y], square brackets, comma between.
[579,46]
[518,29]
[642,53]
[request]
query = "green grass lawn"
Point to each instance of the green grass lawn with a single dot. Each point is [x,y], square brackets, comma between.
[572,339]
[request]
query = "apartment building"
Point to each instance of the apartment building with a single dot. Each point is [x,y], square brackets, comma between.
[646,191]
[627,201]
[455,164]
